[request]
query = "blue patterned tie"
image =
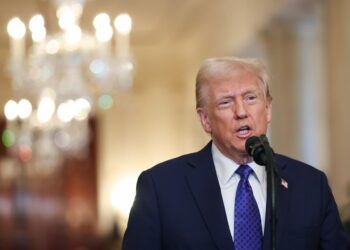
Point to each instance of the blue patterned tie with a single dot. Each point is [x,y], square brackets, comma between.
[248,232]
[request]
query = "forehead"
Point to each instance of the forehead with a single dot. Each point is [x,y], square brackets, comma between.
[236,82]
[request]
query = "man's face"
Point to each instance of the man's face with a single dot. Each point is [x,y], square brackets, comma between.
[235,108]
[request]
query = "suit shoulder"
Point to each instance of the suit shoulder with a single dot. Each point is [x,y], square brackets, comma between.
[172,165]
[297,166]
[180,165]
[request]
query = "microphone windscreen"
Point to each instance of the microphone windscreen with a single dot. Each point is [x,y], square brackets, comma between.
[251,143]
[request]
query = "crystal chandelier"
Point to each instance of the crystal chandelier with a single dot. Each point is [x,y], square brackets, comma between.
[61,79]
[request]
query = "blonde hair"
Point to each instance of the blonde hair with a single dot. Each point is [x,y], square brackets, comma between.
[216,68]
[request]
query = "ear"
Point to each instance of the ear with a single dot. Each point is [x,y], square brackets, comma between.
[204,119]
[269,111]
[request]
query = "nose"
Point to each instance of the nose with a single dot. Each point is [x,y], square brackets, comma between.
[240,110]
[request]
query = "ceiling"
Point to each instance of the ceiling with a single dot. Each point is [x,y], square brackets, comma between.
[166,30]
[157,21]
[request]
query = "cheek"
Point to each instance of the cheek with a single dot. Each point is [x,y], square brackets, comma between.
[224,119]
[221,124]
[269,111]
[265,113]
[262,118]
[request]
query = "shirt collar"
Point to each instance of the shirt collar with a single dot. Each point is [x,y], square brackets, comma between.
[225,167]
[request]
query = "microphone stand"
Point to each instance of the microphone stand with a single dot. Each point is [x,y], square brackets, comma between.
[271,170]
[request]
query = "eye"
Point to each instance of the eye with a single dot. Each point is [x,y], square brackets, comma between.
[224,103]
[251,98]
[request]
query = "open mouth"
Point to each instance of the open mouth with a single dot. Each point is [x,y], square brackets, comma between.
[243,130]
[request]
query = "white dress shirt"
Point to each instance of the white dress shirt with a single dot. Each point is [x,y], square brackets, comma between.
[228,180]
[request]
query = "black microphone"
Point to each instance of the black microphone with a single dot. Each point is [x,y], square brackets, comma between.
[255,147]
[259,148]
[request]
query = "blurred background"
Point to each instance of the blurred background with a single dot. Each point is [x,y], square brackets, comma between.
[89,101]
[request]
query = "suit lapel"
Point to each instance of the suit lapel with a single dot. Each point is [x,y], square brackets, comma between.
[283,189]
[204,185]
[205,188]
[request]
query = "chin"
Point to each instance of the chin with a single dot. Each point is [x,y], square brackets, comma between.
[240,149]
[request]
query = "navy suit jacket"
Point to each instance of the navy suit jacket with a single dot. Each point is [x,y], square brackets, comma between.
[178,205]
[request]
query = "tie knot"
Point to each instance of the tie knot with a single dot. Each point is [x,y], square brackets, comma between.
[244,171]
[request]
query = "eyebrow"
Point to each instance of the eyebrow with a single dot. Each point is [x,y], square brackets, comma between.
[248,91]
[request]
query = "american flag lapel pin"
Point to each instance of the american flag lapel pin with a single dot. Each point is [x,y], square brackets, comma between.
[284,183]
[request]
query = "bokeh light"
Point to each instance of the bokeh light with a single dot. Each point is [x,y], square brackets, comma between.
[8,138]
[24,109]
[82,109]
[25,153]
[123,23]
[16,28]
[105,102]
[46,109]
[11,110]
[66,111]
[101,20]
[123,194]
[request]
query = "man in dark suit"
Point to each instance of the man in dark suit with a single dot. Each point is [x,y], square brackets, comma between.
[217,198]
